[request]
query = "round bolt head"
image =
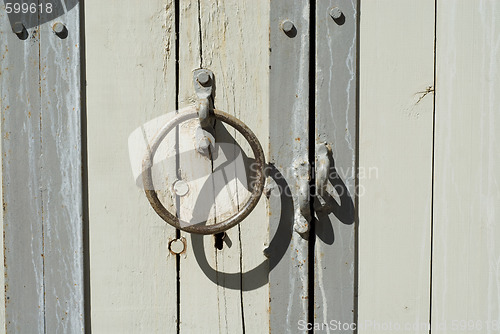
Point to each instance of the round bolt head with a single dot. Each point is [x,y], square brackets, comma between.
[58,27]
[203,78]
[181,188]
[335,13]
[177,246]
[18,28]
[287,26]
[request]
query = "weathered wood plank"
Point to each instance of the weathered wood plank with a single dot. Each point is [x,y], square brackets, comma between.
[61,167]
[288,150]
[395,143]
[130,69]
[465,276]
[235,295]
[42,147]
[336,127]
[22,191]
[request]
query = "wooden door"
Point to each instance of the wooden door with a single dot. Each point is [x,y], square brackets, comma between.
[379,208]
[260,276]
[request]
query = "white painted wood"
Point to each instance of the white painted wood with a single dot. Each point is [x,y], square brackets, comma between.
[395,144]
[465,277]
[233,280]
[130,71]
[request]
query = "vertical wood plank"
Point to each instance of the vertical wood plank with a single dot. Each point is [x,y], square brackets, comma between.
[22,197]
[396,125]
[130,69]
[465,289]
[42,149]
[336,89]
[196,314]
[288,147]
[233,280]
[61,181]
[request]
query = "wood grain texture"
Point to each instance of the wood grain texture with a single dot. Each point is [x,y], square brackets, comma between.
[61,167]
[465,289]
[289,148]
[42,185]
[130,66]
[396,125]
[232,280]
[23,242]
[335,122]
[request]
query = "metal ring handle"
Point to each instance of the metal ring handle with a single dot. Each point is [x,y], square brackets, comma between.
[249,205]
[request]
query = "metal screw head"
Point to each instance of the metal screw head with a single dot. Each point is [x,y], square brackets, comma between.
[58,27]
[203,78]
[18,28]
[287,26]
[335,13]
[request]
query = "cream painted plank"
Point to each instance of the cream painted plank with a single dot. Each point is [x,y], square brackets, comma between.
[130,69]
[395,163]
[241,90]
[198,294]
[466,252]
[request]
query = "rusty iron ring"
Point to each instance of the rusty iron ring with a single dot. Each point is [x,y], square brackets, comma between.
[257,187]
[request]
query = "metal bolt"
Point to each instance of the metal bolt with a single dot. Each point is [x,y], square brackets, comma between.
[335,13]
[181,188]
[18,28]
[287,26]
[58,27]
[177,246]
[203,78]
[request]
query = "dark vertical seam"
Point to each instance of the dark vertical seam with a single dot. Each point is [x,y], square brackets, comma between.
[200,34]
[84,171]
[312,136]
[433,171]
[177,160]
[241,281]
[356,177]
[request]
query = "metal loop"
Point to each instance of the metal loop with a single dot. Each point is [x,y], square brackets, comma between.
[257,187]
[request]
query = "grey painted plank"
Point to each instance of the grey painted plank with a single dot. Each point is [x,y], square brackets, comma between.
[289,119]
[22,200]
[61,178]
[336,56]
[41,161]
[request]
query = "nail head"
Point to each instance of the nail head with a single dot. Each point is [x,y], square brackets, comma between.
[18,28]
[287,26]
[203,78]
[335,13]
[58,27]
